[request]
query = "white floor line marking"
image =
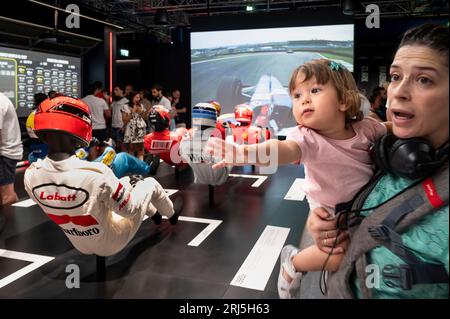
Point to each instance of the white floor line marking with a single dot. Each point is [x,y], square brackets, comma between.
[204,233]
[25,203]
[257,183]
[36,262]
[212,225]
[170,192]
[297,190]
[39,260]
[257,267]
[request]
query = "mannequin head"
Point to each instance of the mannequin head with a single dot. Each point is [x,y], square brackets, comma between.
[243,114]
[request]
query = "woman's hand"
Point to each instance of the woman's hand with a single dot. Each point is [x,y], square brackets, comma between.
[137,109]
[324,231]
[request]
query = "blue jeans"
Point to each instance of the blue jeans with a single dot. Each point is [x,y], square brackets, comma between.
[117,134]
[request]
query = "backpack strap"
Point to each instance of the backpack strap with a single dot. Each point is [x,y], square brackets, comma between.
[415,271]
[347,214]
[407,209]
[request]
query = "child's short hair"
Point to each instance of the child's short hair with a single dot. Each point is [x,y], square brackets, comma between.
[326,70]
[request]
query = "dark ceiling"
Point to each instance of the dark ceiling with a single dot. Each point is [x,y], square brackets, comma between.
[32,23]
[180,11]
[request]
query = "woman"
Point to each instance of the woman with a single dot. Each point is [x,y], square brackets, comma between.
[135,128]
[418,104]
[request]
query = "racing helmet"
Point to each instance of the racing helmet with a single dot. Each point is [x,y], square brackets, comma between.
[217,106]
[65,115]
[243,114]
[204,115]
[159,118]
[94,142]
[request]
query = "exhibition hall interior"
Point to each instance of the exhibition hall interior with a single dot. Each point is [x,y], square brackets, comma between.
[156,149]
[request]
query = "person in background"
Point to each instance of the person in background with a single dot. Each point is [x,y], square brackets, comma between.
[145,99]
[99,89]
[11,150]
[119,104]
[128,90]
[378,104]
[178,109]
[100,112]
[135,126]
[159,99]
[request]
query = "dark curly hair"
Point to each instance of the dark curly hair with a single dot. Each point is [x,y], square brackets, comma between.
[434,36]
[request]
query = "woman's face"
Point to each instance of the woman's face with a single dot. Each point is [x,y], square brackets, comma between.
[418,94]
[137,99]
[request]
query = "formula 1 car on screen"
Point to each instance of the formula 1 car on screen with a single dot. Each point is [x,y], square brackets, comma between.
[268,99]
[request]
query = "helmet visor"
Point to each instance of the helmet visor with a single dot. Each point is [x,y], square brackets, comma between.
[73,111]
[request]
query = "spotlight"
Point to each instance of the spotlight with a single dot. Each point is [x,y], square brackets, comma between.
[348,7]
[161,17]
[249,8]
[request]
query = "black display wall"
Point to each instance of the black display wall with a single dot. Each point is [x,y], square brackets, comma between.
[151,62]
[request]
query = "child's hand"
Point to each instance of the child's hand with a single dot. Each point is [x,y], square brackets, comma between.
[229,153]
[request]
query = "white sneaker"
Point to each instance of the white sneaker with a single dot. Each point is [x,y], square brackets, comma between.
[289,290]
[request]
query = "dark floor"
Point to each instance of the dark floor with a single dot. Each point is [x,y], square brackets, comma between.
[158,263]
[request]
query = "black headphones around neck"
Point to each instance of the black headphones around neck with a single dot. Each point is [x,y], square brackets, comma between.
[413,158]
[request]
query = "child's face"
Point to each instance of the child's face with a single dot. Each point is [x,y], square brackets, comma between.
[316,105]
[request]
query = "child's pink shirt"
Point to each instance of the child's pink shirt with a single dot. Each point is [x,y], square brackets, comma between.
[336,169]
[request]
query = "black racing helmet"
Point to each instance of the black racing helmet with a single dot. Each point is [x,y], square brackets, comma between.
[159,118]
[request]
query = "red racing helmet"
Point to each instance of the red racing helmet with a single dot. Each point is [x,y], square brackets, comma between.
[243,114]
[66,115]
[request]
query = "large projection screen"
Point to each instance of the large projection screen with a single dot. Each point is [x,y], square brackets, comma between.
[25,73]
[253,66]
